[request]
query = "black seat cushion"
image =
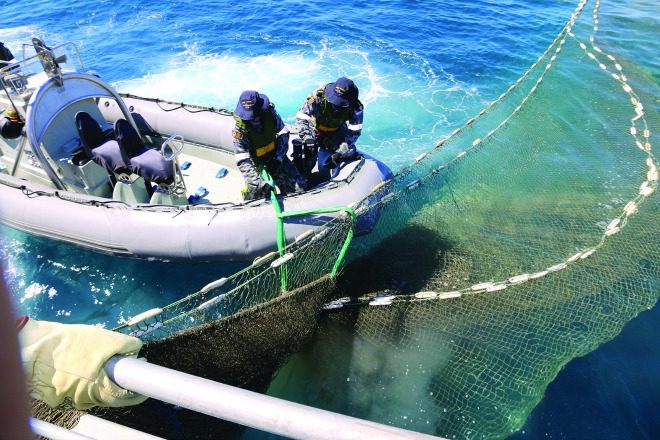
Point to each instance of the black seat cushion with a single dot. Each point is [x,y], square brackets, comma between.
[97,146]
[109,157]
[90,132]
[129,139]
[145,162]
[153,167]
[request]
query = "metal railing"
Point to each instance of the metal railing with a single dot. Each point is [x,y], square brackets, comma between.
[247,408]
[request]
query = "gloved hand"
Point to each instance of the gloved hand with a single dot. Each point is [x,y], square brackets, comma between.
[333,161]
[348,152]
[266,189]
[66,361]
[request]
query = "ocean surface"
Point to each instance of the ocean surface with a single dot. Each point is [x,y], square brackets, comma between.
[423,68]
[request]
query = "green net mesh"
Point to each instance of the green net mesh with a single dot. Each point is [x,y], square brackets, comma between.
[526,238]
[269,277]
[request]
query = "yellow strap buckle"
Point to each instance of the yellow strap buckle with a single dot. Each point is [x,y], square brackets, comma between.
[262,151]
[325,129]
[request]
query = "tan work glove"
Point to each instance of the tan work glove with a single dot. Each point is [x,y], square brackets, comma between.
[66,360]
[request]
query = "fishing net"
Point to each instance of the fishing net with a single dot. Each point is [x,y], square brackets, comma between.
[243,350]
[526,238]
[236,330]
[295,266]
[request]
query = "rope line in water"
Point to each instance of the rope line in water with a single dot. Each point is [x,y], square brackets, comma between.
[646,188]
[194,308]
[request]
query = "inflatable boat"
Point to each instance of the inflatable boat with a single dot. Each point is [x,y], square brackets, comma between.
[181,201]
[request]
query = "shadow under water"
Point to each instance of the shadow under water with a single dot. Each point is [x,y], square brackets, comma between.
[401,264]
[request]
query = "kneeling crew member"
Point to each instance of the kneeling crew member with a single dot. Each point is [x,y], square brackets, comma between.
[261,140]
[329,124]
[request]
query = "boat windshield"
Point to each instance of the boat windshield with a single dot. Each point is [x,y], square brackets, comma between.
[23,77]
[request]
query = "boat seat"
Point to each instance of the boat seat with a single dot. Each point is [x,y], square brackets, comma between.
[105,151]
[90,132]
[97,146]
[146,131]
[131,189]
[109,157]
[145,162]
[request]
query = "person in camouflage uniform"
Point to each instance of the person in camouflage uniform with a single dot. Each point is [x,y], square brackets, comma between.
[261,140]
[329,123]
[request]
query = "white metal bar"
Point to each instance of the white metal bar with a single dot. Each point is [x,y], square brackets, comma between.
[89,428]
[244,407]
[100,429]
[55,432]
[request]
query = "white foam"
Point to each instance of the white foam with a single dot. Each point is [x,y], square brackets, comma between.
[217,80]
[408,105]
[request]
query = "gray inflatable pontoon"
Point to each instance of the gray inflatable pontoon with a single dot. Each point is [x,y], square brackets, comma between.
[51,187]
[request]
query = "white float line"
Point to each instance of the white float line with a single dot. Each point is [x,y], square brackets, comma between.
[559,38]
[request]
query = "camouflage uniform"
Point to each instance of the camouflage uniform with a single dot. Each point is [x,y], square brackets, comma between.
[265,146]
[326,127]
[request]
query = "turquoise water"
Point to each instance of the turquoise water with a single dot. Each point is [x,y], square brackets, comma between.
[423,68]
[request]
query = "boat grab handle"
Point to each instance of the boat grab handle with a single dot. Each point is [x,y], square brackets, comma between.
[172,147]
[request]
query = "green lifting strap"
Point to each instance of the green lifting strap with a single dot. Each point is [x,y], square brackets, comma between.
[281,237]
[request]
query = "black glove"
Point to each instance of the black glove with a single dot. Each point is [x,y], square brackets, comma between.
[266,189]
[309,146]
[333,161]
[351,155]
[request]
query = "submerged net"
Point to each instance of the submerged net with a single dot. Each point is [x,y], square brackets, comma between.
[525,239]
[294,267]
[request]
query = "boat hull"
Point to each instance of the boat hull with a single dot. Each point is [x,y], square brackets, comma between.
[195,232]
[52,196]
